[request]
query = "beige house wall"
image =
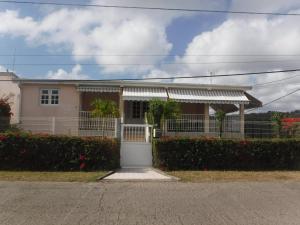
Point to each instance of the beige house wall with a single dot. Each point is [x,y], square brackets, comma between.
[59,119]
[11,89]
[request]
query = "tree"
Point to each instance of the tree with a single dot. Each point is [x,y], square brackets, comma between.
[277,122]
[160,111]
[5,113]
[220,117]
[104,108]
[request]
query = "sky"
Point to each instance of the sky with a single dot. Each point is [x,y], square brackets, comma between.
[107,43]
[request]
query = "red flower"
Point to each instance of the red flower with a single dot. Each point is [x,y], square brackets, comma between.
[82,165]
[82,157]
[244,142]
[3,138]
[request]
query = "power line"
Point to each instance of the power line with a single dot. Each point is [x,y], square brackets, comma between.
[274,81]
[277,99]
[151,8]
[153,55]
[149,64]
[202,76]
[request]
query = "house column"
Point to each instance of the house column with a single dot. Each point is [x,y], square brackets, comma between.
[242,120]
[206,118]
[121,105]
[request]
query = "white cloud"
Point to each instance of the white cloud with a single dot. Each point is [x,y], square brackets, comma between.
[104,31]
[74,74]
[247,35]
[2,69]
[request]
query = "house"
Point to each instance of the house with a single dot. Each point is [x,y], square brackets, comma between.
[10,89]
[64,107]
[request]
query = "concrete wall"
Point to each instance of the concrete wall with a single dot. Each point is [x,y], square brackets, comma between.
[11,89]
[66,112]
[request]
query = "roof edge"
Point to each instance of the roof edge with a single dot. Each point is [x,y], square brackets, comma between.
[121,83]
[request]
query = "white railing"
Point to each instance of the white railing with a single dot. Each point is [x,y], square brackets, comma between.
[194,125]
[136,133]
[186,123]
[95,126]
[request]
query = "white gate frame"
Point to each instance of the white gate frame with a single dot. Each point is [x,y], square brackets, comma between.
[135,134]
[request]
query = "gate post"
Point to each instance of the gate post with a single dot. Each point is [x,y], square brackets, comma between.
[116,127]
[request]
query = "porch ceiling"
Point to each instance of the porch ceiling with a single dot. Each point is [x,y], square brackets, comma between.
[208,96]
[144,94]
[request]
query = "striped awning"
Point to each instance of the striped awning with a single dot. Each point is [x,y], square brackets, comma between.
[144,94]
[208,96]
[98,89]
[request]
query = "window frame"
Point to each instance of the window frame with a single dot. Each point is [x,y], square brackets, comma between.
[50,96]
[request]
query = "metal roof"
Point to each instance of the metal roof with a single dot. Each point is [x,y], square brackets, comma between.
[144,94]
[208,96]
[132,84]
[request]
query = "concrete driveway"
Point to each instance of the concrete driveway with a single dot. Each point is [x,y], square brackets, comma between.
[149,203]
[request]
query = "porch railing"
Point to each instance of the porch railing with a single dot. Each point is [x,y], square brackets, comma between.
[94,126]
[194,124]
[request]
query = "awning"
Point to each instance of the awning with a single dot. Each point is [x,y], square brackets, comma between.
[144,94]
[208,96]
[98,89]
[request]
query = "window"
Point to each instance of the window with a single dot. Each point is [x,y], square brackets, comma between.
[49,97]
[139,109]
[136,110]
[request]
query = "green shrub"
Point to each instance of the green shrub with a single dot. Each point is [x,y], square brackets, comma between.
[58,153]
[215,154]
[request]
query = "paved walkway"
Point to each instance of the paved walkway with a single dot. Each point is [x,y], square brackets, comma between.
[138,174]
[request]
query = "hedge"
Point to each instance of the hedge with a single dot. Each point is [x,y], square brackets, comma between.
[218,154]
[57,153]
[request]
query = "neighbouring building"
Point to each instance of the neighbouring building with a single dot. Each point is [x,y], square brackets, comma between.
[9,88]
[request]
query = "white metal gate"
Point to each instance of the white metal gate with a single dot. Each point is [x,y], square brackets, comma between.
[136,147]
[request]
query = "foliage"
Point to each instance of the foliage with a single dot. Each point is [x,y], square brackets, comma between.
[219,154]
[291,126]
[220,117]
[277,120]
[160,110]
[104,108]
[5,113]
[23,151]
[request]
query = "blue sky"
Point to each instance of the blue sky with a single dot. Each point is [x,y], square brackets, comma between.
[103,37]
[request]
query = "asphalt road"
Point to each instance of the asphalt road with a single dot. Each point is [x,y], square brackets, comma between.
[169,203]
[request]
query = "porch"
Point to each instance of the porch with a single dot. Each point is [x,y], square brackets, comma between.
[197,107]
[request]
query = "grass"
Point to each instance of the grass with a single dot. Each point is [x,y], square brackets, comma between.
[51,176]
[215,176]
